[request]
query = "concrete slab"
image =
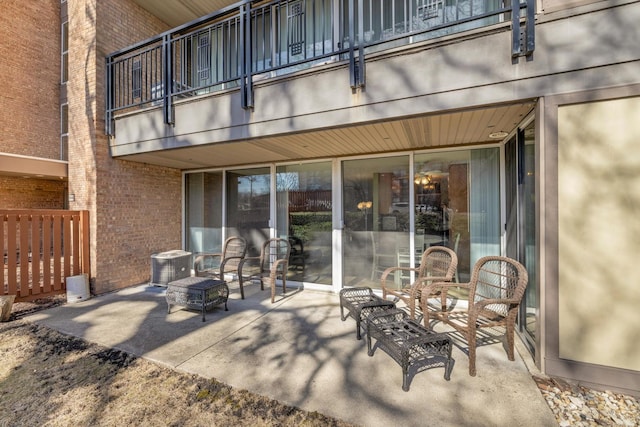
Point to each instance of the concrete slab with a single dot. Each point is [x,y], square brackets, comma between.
[298,351]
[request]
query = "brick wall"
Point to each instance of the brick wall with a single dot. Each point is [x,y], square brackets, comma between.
[135,208]
[30,84]
[21,193]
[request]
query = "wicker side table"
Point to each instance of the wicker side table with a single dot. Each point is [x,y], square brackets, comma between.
[409,343]
[200,293]
[360,303]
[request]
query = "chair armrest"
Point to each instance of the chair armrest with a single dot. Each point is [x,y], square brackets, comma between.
[386,272]
[432,289]
[245,260]
[422,282]
[276,265]
[203,256]
[476,307]
[442,287]
[226,260]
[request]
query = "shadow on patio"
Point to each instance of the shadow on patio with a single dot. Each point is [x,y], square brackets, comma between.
[299,352]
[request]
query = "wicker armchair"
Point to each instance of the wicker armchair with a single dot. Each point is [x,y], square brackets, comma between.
[272,262]
[438,263]
[495,291]
[215,265]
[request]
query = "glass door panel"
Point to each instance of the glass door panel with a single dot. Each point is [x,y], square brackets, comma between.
[521,226]
[304,217]
[529,232]
[376,217]
[248,213]
[457,204]
[204,212]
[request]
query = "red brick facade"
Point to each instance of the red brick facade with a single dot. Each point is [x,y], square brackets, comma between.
[21,193]
[30,84]
[30,99]
[135,209]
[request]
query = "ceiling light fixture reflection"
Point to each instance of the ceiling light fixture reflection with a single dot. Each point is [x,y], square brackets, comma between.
[498,135]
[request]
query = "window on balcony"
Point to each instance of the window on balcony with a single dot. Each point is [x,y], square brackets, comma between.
[204,57]
[387,19]
[295,28]
[136,79]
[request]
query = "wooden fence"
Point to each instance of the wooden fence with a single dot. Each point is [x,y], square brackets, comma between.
[41,248]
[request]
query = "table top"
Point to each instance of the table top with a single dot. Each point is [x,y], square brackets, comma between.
[397,325]
[196,283]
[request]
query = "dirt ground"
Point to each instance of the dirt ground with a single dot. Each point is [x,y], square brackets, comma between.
[50,379]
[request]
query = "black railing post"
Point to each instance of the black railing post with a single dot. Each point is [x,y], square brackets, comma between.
[515,28]
[523,39]
[353,72]
[167,79]
[530,27]
[246,80]
[361,66]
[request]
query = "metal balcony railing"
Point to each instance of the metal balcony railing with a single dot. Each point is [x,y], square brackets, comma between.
[249,41]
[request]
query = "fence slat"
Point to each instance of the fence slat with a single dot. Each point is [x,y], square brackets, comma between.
[12,247]
[46,253]
[85,244]
[35,254]
[67,246]
[24,255]
[76,245]
[57,252]
[3,251]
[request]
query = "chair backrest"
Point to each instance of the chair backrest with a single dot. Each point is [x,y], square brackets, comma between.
[497,278]
[273,250]
[438,261]
[234,246]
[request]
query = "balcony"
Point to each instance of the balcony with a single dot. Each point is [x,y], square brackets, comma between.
[244,43]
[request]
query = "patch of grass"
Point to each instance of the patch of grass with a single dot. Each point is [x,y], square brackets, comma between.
[50,379]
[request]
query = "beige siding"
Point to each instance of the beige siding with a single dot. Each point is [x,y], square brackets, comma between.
[599,232]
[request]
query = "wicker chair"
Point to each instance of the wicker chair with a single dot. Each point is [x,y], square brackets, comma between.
[296,258]
[494,294]
[438,263]
[272,262]
[216,265]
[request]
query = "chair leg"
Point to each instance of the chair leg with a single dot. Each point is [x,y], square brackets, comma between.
[509,334]
[471,340]
[241,287]
[412,307]
[273,290]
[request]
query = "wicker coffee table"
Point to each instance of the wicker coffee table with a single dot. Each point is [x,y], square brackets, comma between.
[409,343]
[360,303]
[199,293]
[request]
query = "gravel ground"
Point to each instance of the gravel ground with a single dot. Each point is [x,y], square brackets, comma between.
[572,405]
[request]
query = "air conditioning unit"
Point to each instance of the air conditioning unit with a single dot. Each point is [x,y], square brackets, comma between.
[169,266]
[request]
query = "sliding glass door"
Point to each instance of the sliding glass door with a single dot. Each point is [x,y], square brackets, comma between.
[376,217]
[304,216]
[203,211]
[521,224]
[457,204]
[248,206]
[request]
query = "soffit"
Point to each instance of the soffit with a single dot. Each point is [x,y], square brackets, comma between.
[178,12]
[32,167]
[432,131]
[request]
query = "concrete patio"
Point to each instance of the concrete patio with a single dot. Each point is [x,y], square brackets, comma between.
[299,352]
